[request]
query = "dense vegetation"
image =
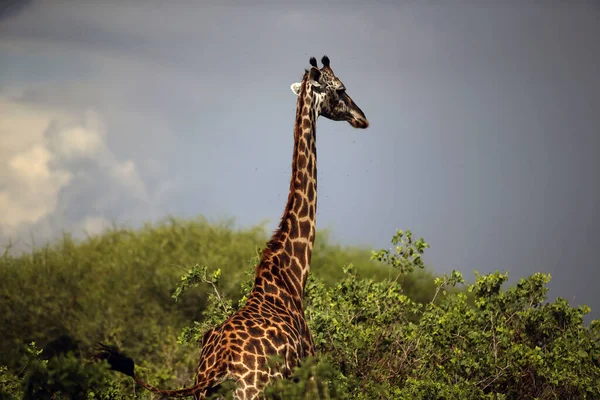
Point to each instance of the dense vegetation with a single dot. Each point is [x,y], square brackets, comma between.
[385,328]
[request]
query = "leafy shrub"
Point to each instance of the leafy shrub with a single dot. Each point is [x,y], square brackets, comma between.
[375,342]
[384,329]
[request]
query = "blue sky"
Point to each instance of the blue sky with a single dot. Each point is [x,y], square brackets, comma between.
[484,135]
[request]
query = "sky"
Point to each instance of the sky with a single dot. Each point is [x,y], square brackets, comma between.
[483,138]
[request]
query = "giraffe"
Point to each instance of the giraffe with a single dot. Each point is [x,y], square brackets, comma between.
[272,321]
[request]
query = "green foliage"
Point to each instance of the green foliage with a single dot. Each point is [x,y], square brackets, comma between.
[96,290]
[314,379]
[375,342]
[505,344]
[10,384]
[384,328]
[407,255]
[217,310]
[61,377]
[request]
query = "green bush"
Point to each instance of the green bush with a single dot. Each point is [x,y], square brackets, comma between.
[504,344]
[384,328]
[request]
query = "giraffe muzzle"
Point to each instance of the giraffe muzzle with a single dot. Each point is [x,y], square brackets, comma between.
[359,123]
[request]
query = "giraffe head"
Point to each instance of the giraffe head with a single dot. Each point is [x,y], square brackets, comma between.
[329,95]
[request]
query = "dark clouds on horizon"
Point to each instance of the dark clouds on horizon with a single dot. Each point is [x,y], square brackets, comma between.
[483,138]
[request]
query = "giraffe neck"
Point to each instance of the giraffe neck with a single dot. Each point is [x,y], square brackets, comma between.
[285,263]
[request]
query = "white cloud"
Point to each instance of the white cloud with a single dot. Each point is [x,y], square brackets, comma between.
[58,173]
[79,142]
[28,186]
[33,188]
[94,225]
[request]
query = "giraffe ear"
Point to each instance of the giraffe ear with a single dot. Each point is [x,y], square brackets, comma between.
[315,74]
[296,88]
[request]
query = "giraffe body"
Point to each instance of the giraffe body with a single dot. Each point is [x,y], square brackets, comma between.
[272,322]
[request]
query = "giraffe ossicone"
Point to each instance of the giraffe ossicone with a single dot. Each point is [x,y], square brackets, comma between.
[272,321]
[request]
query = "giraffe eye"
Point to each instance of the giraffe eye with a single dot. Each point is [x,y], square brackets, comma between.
[341,91]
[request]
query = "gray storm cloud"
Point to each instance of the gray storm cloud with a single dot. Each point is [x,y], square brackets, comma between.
[483,137]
